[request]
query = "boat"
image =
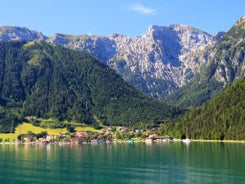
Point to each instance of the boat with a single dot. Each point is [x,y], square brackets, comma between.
[186,140]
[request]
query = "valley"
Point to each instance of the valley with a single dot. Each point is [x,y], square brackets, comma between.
[168,77]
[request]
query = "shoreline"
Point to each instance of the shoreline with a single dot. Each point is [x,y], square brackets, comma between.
[126,141]
[225,141]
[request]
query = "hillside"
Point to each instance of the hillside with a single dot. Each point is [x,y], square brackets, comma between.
[223,63]
[38,79]
[156,62]
[221,118]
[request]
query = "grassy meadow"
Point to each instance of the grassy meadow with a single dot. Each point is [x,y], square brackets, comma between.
[25,127]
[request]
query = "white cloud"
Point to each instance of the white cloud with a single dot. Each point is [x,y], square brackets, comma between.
[138,7]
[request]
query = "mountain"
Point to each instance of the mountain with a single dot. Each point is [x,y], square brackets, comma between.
[222,63]
[9,33]
[167,62]
[47,81]
[221,118]
[156,62]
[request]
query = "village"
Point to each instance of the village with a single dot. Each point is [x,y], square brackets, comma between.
[105,135]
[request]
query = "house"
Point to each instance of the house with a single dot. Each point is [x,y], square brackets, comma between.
[17,141]
[81,134]
[164,138]
[152,136]
[139,130]
[41,140]
[122,129]
[49,138]
[29,139]
[106,130]
[64,134]
[76,140]
[156,138]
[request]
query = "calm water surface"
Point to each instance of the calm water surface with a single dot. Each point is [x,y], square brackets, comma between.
[137,163]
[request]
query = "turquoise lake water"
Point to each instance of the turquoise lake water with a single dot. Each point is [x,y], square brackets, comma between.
[118,163]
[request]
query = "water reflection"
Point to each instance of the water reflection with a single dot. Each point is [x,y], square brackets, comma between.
[123,163]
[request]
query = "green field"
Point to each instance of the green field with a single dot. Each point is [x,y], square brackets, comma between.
[25,127]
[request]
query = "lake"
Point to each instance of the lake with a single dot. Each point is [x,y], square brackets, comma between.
[117,163]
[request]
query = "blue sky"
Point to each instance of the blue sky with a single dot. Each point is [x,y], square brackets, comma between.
[127,17]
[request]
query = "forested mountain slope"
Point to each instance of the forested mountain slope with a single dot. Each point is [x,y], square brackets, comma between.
[221,118]
[47,81]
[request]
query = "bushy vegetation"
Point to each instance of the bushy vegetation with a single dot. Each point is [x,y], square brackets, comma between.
[48,81]
[221,118]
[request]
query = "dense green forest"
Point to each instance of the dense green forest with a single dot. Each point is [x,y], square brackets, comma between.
[9,119]
[38,79]
[195,93]
[221,118]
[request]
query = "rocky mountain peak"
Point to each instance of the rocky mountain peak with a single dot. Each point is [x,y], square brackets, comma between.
[121,41]
[241,20]
[240,23]
[8,33]
[188,37]
[183,27]
[59,39]
[217,36]
[154,29]
[158,58]
[237,31]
